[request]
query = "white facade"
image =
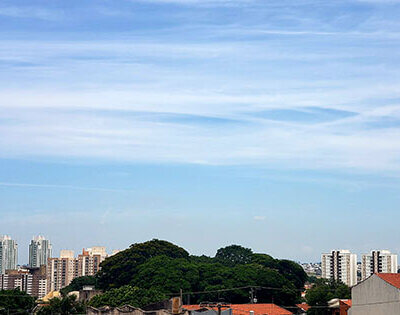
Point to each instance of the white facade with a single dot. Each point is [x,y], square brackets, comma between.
[66,253]
[97,250]
[39,251]
[378,261]
[340,265]
[8,254]
[60,272]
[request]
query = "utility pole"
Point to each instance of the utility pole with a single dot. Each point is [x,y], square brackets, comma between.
[252,295]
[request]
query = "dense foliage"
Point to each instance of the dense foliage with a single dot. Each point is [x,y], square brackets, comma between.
[65,305]
[78,283]
[15,302]
[128,295]
[323,291]
[119,269]
[233,255]
[166,268]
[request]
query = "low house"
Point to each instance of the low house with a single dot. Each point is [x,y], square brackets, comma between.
[377,295]
[339,306]
[302,308]
[247,309]
[167,307]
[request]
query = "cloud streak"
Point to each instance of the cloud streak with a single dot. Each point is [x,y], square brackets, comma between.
[64,187]
[287,93]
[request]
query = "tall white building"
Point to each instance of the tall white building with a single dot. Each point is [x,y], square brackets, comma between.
[8,254]
[39,251]
[378,261]
[61,271]
[340,265]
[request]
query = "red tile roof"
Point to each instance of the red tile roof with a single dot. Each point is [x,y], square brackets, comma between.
[244,309]
[391,278]
[347,302]
[303,306]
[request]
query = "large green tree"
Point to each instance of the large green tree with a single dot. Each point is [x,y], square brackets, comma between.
[15,302]
[168,268]
[233,255]
[119,269]
[289,269]
[166,274]
[128,295]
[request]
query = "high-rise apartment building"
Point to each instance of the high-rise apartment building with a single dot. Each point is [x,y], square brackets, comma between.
[30,280]
[8,254]
[61,271]
[39,251]
[378,261]
[340,265]
[89,261]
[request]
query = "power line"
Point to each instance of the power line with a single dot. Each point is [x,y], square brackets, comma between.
[237,288]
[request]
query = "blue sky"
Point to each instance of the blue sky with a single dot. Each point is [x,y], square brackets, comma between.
[272,124]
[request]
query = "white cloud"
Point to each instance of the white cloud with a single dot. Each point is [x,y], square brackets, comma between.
[63,187]
[259,218]
[31,12]
[109,100]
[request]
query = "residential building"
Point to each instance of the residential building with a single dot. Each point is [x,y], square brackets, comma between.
[61,271]
[89,261]
[8,254]
[65,253]
[312,269]
[340,265]
[97,250]
[39,251]
[377,295]
[30,280]
[339,306]
[378,261]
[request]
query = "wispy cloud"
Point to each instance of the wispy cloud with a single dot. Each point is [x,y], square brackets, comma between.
[259,218]
[30,12]
[291,92]
[64,187]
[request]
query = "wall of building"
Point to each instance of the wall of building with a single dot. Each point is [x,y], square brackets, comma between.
[375,296]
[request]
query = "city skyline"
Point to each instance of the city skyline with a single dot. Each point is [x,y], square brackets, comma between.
[274,124]
[105,251]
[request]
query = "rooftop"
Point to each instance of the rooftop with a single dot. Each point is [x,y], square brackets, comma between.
[391,278]
[244,309]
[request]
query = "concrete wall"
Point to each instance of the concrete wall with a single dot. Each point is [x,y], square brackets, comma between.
[375,296]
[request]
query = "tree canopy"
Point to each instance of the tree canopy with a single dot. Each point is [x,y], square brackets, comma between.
[128,295]
[63,306]
[323,291]
[168,268]
[78,283]
[118,269]
[15,302]
[233,255]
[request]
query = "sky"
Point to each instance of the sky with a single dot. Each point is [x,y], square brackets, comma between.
[273,124]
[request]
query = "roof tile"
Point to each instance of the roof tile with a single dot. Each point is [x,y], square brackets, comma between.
[391,278]
[244,309]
